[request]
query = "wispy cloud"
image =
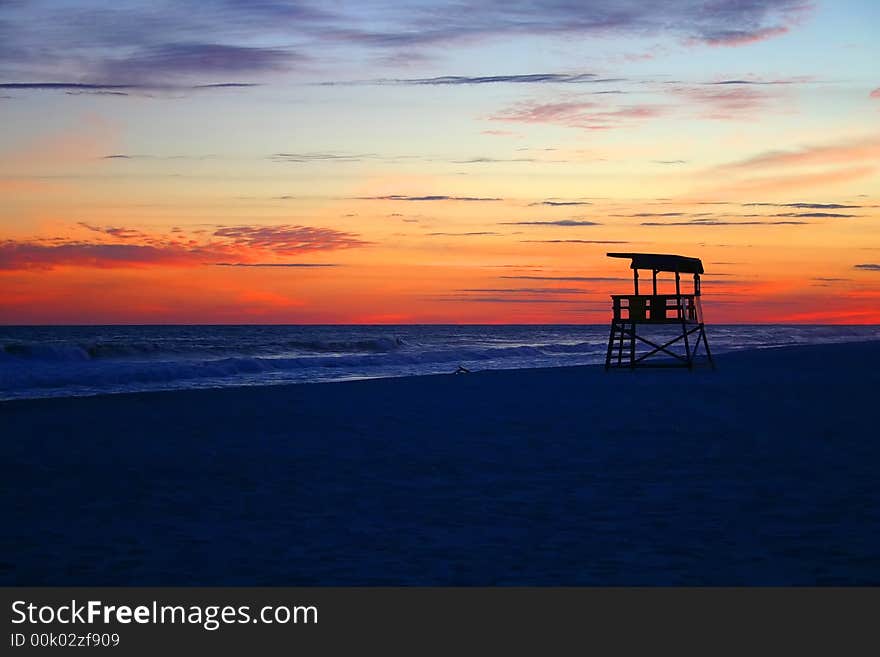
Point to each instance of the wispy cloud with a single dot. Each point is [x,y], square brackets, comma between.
[868,267]
[121,89]
[805,168]
[125,247]
[527,290]
[727,102]
[528,78]
[560,222]
[575,241]
[306,265]
[160,62]
[807,206]
[567,278]
[34,255]
[875,93]
[814,215]
[503,299]
[96,43]
[652,214]
[560,203]
[433,197]
[743,37]
[115,231]
[322,157]
[759,82]
[471,234]
[582,114]
[846,152]
[286,240]
[716,222]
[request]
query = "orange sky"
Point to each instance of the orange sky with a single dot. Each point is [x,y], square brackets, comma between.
[232,184]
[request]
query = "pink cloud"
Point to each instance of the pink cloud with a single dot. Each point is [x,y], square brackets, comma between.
[587,115]
[875,93]
[743,37]
[726,103]
[866,149]
[798,181]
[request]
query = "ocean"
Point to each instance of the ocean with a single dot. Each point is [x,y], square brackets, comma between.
[66,361]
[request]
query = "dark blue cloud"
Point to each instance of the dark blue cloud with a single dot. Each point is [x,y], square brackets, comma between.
[118,89]
[102,40]
[175,59]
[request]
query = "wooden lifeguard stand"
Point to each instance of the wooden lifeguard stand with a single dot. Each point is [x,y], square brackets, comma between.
[635,313]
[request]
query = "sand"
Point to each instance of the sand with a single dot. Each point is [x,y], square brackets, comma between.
[762,472]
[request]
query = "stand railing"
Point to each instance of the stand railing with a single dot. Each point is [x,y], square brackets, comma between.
[657,308]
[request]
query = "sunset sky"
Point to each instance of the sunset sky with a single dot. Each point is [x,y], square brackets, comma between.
[275,161]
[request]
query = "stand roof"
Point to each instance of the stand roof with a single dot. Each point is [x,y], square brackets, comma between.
[662,262]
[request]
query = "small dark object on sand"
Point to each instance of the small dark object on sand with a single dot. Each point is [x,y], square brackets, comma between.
[462,370]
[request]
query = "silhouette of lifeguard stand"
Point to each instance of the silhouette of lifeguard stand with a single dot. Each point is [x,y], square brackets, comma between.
[635,313]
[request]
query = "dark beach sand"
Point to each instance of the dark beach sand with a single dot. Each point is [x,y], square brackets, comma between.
[764,472]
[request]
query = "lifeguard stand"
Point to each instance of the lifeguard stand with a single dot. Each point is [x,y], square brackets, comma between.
[635,313]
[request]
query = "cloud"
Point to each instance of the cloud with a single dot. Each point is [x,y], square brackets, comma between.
[529,78]
[875,93]
[31,255]
[726,103]
[494,160]
[118,232]
[806,206]
[131,248]
[715,222]
[63,86]
[651,214]
[528,290]
[669,161]
[274,264]
[163,61]
[135,156]
[574,241]
[805,168]
[867,148]
[120,89]
[795,80]
[472,234]
[561,203]
[814,215]
[400,197]
[567,278]
[507,300]
[582,114]
[286,240]
[743,37]
[560,222]
[713,23]
[91,41]
[321,157]
[868,267]
[797,181]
